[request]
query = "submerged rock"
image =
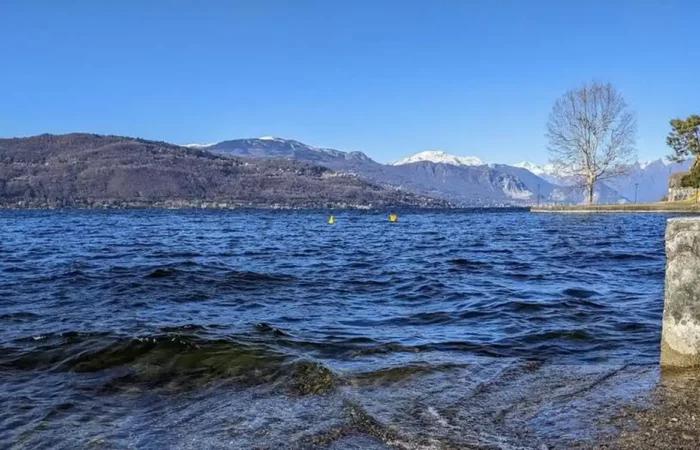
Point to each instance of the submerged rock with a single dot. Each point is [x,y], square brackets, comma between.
[311,378]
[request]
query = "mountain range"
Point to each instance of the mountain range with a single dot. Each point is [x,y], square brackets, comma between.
[89,170]
[649,179]
[93,170]
[646,182]
[464,180]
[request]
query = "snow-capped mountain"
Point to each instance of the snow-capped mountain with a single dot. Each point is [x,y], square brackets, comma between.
[547,169]
[440,157]
[274,147]
[656,162]
[212,144]
[462,180]
[466,181]
[199,145]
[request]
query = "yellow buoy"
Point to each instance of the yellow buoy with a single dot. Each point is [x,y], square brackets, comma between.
[331,221]
[393,218]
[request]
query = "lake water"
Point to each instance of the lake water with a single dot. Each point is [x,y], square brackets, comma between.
[250,329]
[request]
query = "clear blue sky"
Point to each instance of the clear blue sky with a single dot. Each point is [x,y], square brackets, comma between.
[386,77]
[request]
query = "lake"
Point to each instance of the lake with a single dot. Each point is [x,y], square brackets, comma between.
[273,329]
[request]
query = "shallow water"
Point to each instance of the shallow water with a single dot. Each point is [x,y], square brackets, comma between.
[214,329]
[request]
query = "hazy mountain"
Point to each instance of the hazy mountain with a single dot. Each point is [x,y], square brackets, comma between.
[564,191]
[651,176]
[93,170]
[465,180]
[465,185]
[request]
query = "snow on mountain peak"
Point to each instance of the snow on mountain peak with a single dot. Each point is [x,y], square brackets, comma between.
[532,167]
[200,145]
[645,164]
[547,169]
[663,161]
[270,138]
[438,156]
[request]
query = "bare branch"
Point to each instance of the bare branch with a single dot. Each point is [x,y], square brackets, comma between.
[592,134]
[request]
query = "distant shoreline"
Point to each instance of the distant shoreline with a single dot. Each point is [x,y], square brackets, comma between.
[208,207]
[263,207]
[675,208]
[568,209]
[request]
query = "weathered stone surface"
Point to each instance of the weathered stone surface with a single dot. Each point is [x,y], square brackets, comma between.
[680,340]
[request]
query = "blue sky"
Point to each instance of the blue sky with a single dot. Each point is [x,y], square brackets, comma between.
[389,78]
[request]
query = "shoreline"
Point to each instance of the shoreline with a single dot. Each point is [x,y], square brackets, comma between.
[664,208]
[649,208]
[159,207]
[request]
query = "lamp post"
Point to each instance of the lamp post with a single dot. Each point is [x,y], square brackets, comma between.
[636,185]
[538,194]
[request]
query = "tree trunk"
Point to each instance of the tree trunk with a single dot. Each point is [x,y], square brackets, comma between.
[589,191]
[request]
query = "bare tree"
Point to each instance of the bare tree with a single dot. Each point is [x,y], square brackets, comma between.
[592,134]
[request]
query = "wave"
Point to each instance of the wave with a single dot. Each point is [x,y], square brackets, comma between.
[161,273]
[463,263]
[579,293]
[630,257]
[176,358]
[216,272]
[21,316]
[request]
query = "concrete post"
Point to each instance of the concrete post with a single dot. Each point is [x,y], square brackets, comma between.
[680,338]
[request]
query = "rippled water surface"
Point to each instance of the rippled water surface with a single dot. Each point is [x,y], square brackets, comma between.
[196,329]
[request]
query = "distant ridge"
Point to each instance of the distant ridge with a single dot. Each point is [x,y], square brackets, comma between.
[89,170]
[647,181]
[463,180]
[85,169]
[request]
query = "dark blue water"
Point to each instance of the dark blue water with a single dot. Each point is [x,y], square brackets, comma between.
[196,329]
